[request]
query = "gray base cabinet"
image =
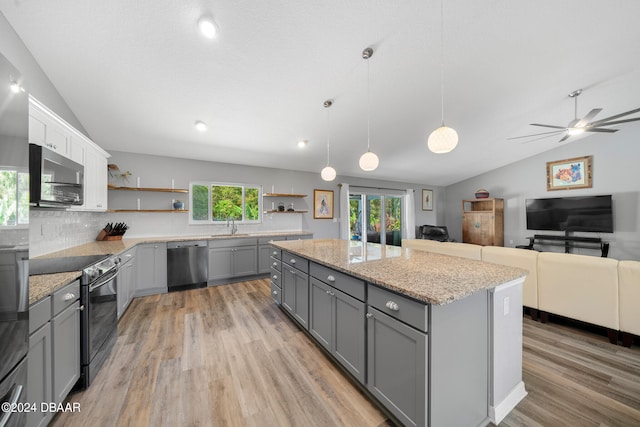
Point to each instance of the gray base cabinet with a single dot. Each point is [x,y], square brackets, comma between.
[397,371]
[337,321]
[295,287]
[65,358]
[54,350]
[151,266]
[230,258]
[126,281]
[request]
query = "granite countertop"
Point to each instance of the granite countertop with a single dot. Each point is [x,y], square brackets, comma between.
[42,285]
[426,276]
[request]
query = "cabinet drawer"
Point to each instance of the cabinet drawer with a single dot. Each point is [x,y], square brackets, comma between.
[295,261]
[232,243]
[276,264]
[127,256]
[347,284]
[276,253]
[276,277]
[276,293]
[64,297]
[39,314]
[411,312]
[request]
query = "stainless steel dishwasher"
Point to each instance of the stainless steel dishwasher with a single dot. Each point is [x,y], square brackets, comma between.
[187,265]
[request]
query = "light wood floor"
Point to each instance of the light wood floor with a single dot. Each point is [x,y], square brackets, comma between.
[228,356]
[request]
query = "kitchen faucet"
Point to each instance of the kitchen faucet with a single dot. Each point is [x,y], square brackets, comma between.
[234,228]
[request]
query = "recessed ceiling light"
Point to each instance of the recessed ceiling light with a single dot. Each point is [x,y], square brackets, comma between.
[208,27]
[302,143]
[200,126]
[15,87]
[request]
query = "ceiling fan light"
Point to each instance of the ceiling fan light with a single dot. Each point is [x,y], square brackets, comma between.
[575,131]
[207,27]
[369,161]
[302,143]
[442,140]
[328,173]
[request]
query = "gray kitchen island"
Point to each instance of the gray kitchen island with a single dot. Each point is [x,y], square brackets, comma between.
[435,340]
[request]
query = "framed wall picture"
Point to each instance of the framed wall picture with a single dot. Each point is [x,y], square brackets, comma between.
[322,204]
[427,200]
[570,174]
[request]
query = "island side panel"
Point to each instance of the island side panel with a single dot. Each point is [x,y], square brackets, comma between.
[507,388]
[459,362]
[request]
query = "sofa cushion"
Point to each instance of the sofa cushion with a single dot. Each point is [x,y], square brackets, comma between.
[580,287]
[463,250]
[629,285]
[526,260]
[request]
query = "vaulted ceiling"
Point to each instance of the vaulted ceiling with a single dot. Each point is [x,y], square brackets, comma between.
[137,74]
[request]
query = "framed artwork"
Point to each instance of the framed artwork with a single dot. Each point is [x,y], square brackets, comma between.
[322,204]
[570,174]
[427,200]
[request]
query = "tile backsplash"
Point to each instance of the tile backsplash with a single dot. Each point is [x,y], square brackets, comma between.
[55,230]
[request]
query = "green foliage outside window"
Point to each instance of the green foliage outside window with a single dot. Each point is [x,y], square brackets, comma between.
[14,198]
[220,202]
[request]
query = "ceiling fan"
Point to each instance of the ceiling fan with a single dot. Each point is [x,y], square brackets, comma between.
[578,126]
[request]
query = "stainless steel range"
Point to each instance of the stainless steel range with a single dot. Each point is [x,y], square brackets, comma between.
[98,297]
[99,320]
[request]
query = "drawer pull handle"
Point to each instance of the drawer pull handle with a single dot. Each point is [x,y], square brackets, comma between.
[331,278]
[81,308]
[328,292]
[69,296]
[275,253]
[369,315]
[275,264]
[293,261]
[392,306]
[275,277]
[275,292]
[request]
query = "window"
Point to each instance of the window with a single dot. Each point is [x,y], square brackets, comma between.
[214,202]
[14,198]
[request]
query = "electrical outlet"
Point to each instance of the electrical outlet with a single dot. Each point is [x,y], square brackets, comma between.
[506,306]
[511,242]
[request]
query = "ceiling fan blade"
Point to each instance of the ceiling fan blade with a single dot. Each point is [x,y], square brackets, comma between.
[617,122]
[548,126]
[586,119]
[553,132]
[541,137]
[564,138]
[603,130]
[602,121]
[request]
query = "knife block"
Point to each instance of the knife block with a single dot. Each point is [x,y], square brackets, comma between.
[104,236]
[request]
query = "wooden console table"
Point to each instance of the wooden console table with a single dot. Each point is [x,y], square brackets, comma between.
[568,242]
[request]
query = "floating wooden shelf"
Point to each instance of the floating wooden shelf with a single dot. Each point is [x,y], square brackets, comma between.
[158,190]
[148,210]
[284,212]
[283,195]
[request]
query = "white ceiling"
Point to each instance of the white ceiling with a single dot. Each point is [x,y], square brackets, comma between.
[138,75]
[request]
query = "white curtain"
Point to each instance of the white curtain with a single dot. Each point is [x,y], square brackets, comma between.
[345,232]
[409,213]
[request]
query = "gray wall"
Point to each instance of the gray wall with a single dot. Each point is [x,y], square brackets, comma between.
[36,82]
[157,171]
[615,171]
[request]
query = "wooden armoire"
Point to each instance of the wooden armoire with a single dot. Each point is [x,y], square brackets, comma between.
[483,221]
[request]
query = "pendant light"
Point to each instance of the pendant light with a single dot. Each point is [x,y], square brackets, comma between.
[368,161]
[444,139]
[328,173]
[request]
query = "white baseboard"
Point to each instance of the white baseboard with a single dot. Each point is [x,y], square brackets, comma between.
[497,413]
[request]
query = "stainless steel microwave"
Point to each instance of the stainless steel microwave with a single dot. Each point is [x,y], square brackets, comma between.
[54,181]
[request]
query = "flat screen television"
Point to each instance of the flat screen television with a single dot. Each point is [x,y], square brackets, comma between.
[589,213]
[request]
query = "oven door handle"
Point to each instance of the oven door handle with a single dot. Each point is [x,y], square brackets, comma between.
[104,282]
[17,391]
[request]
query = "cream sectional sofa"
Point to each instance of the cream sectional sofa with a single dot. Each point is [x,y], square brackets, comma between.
[600,291]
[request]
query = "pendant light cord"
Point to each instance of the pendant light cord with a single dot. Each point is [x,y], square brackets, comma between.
[442,60]
[368,107]
[328,135]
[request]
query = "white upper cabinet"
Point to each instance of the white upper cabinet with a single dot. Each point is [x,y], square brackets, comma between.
[46,128]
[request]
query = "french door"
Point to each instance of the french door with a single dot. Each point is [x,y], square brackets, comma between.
[376,217]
